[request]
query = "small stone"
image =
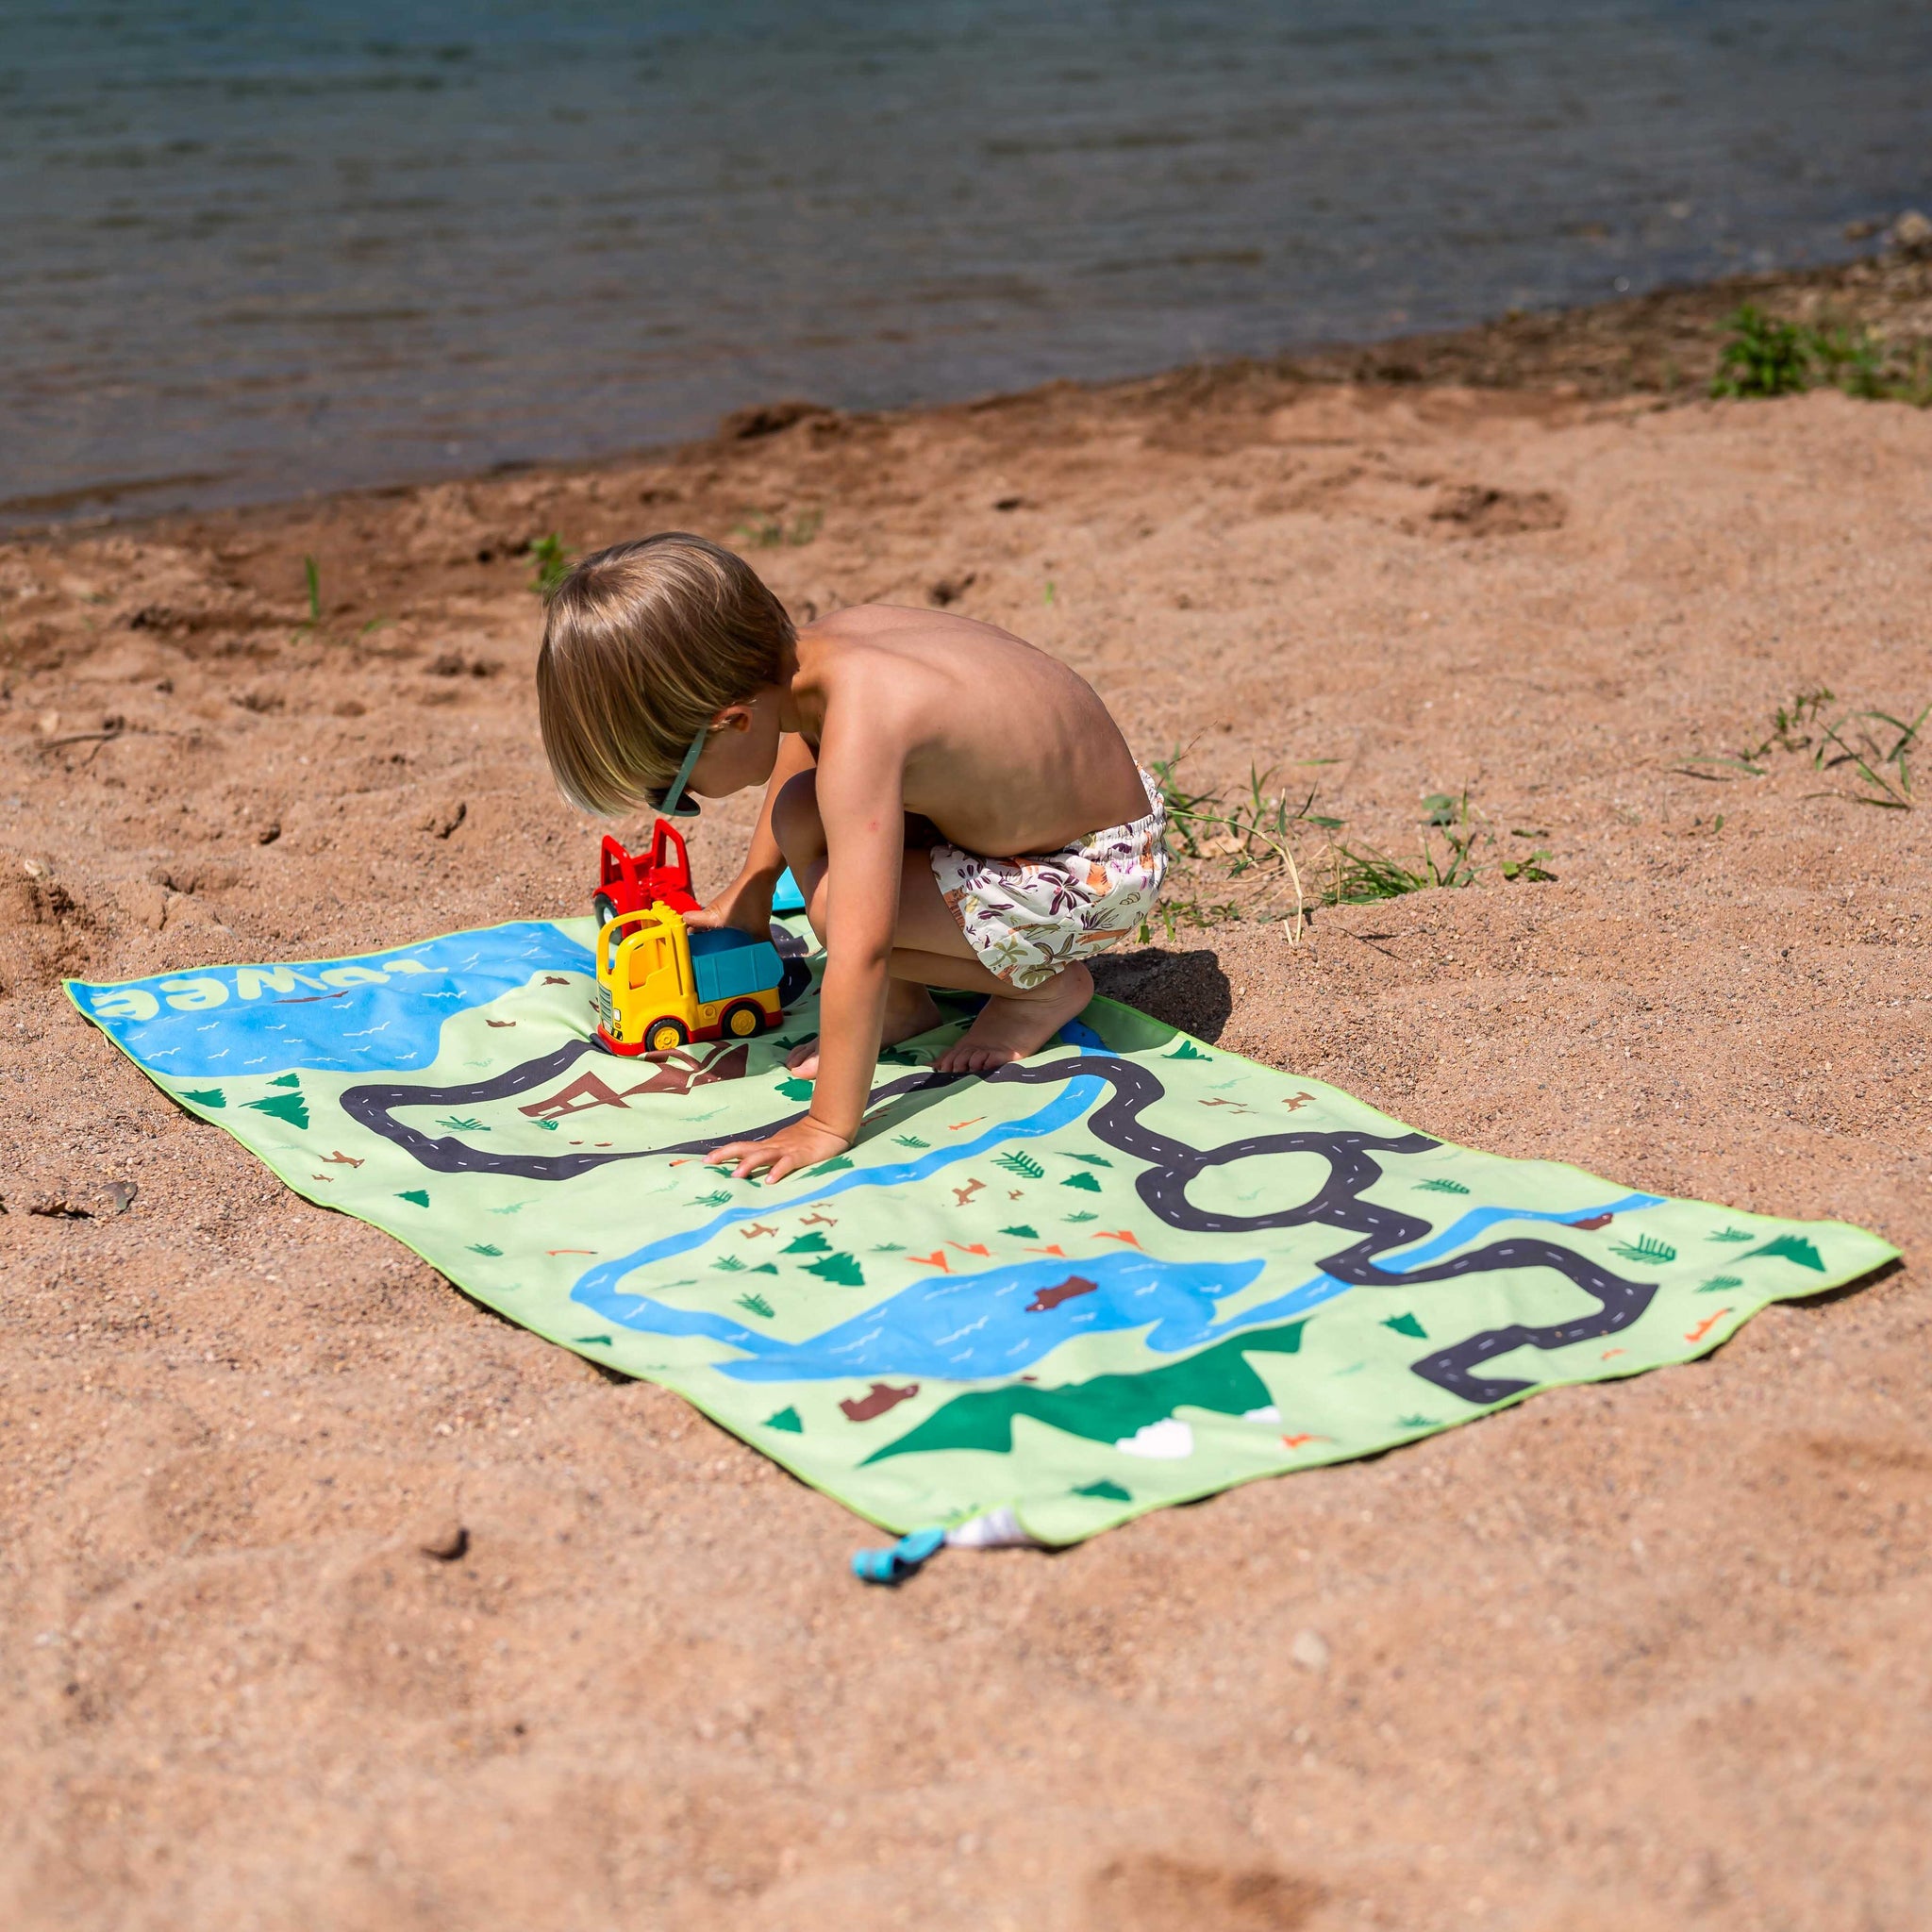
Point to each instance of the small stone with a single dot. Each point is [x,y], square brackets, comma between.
[119,1197]
[446,1540]
[1911,234]
[1310,1650]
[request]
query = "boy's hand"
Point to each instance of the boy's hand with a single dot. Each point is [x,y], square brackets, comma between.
[745,903]
[804,1144]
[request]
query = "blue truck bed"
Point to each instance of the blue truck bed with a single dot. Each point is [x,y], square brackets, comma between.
[728,965]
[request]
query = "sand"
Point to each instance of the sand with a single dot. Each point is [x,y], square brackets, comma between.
[1645,1655]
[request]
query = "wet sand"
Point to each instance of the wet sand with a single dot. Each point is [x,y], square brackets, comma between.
[1647,1655]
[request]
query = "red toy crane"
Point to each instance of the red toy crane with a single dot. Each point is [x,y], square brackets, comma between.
[636,881]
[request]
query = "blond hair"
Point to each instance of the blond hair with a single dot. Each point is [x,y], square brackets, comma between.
[643,644]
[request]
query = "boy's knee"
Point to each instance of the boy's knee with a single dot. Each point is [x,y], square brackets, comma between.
[795,821]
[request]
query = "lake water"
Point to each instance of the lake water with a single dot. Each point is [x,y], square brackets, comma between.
[257,247]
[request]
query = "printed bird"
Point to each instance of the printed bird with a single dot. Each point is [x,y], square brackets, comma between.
[958,1124]
[936,1259]
[1132,1240]
[1055,1249]
[972,1248]
[1705,1326]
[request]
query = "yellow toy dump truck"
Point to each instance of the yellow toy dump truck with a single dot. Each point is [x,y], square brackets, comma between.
[660,984]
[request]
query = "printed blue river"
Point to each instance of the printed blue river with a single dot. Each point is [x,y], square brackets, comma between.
[370,1013]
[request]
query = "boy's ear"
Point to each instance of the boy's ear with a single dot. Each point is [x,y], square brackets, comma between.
[733,718]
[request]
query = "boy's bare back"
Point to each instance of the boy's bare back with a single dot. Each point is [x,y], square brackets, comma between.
[1006,750]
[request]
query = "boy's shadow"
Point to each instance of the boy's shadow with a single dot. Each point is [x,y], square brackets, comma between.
[1187,989]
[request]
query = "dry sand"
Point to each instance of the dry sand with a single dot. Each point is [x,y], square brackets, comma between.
[1649,1654]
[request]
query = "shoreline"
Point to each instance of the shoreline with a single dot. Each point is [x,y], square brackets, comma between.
[1663,342]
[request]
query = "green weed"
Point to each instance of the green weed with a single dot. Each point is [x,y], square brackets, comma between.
[1874,749]
[553,563]
[1252,833]
[311,572]
[1763,356]
[1447,856]
[764,532]
[1868,746]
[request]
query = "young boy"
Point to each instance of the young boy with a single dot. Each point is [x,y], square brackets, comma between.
[896,748]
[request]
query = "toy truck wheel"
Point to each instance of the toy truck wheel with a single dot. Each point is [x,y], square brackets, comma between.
[742,1021]
[662,1036]
[605,908]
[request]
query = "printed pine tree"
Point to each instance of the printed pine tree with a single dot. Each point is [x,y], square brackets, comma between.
[1083,1181]
[1793,1247]
[842,1271]
[1646,1249]
[284,1106]
[1406,1324]
[812,1243]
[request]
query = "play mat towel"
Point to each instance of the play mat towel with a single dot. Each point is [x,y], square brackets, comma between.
[1130,1271]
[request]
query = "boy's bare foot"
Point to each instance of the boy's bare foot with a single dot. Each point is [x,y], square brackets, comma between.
[1011,1027]
[909,1009]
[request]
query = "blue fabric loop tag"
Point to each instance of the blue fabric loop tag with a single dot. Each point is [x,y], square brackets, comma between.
[901,1561]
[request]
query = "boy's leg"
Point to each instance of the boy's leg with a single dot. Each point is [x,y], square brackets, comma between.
[929,950]
[800,835]
[931,947]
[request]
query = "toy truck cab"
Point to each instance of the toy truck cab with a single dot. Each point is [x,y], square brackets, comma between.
[660,984]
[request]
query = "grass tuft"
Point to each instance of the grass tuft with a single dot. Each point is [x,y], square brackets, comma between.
[1873,749]
[553,563]
[1765,356]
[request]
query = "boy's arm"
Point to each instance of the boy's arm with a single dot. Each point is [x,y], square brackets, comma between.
[746,902]
[861,796]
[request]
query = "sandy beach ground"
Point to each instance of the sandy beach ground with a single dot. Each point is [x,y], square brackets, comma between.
[1644,1655]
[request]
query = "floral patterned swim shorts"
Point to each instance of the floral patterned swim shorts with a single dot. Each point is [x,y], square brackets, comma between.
[1028,917]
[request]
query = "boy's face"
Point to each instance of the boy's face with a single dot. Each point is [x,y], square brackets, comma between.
[743,751]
